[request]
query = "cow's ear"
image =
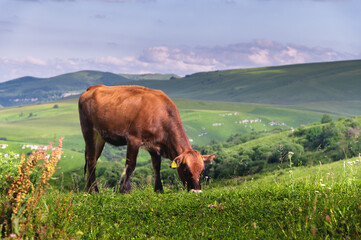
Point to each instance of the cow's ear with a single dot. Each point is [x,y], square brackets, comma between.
[208,159]
[176,162]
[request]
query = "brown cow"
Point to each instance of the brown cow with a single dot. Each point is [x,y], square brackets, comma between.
[138,117]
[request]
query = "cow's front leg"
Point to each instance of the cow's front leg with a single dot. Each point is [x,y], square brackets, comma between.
[131,162]
[156,160]
[93,149]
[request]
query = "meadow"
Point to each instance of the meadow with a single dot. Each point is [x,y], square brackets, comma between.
[203,121]
[313,202]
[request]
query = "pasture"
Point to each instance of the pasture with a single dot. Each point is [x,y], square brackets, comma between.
[203,121]
[313,202]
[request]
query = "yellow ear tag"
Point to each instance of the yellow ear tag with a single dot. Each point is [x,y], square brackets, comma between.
[174,165]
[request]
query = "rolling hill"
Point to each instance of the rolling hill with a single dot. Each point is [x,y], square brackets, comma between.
[329,83]
[282,85]
[27,90]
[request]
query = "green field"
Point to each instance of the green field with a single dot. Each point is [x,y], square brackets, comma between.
[314,202]
[43,123]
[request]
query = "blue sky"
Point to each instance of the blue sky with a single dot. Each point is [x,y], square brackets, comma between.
[45,38]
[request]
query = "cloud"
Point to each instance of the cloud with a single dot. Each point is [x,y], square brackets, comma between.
[181,61]
[265,53]
[260,56]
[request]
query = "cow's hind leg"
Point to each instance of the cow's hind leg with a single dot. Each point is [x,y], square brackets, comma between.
[156,160]
[94,147]
[131,162]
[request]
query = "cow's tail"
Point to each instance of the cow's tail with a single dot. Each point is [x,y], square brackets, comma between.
[86,163]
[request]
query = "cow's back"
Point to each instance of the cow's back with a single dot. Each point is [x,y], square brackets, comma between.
[121,112]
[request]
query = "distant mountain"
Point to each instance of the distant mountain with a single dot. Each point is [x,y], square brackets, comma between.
[281,85]
[27,90]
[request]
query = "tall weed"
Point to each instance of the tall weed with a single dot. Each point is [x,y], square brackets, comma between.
[21,208]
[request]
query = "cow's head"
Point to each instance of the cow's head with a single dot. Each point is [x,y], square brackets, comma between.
[190,166]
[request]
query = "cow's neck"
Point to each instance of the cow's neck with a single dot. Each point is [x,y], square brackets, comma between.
[178,143]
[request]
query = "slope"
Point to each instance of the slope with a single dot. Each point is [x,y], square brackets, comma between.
[282,85]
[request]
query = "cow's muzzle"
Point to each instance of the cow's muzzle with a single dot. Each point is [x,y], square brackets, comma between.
[196,191]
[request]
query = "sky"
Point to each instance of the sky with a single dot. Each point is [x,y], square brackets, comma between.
[44,38]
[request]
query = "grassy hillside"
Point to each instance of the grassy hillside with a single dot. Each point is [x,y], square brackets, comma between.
[282,85]
[341,108]
[337,83]
[41,122]
[256,152]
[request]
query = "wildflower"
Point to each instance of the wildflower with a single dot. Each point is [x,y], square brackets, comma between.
[322,185]
[254,224]
[216,205]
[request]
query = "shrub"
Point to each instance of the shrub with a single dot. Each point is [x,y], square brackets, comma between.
[326,118]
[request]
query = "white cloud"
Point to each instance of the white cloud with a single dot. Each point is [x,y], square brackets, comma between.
[35,61]
[260,56]
[155,54]
[182,61]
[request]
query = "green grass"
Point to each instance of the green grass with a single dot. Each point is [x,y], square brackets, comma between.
[308,202]
[314,202]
